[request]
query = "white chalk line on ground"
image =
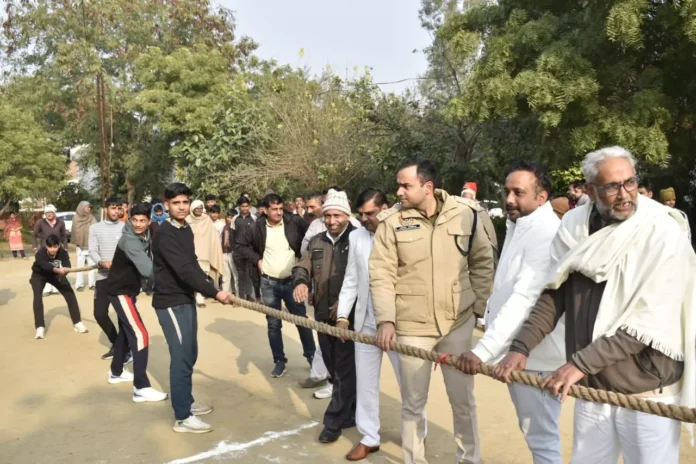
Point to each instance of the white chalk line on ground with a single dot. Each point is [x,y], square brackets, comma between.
[226,447]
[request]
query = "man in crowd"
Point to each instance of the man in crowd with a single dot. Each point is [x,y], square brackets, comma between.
[324,266]
[668,197]
[208,245]
[645,189]
[50,224]
[247,271]
[103,240]
[210,201]
[469,191]
[317,226]
[519,281]
[300,209]
[272,243]
[177,277]
[230,278]
[431,266]
[313,204]
[124,211]
[253,210]
[131,265]
[355,293]
[79,236]
[577,195]
[623,277]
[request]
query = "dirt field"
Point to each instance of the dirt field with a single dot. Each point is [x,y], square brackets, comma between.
[58,407]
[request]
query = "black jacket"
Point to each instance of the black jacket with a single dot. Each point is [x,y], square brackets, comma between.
[177,272]
[324,266]
[251,242]
[44,264]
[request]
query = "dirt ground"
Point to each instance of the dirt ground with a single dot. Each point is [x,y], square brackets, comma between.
[58,407]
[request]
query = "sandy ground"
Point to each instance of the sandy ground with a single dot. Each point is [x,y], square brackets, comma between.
[58,407]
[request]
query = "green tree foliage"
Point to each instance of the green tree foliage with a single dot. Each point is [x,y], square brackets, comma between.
[30,162]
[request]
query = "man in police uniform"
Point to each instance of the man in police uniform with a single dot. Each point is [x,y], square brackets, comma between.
[431,267]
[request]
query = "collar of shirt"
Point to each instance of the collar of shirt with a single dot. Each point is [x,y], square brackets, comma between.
[176,223]
[333,241]
[280,224]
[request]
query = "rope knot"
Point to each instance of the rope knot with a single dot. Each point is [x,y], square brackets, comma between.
[442,359]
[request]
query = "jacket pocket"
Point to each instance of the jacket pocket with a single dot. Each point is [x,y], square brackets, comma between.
[463,297]
[460,237]
[411,303]
[412,247]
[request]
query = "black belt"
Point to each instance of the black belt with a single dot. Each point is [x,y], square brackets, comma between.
[275,279]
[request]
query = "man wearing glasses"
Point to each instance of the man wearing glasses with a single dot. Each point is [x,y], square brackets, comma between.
[622,272]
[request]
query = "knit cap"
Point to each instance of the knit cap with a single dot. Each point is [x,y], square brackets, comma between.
[50,208]
[336,200]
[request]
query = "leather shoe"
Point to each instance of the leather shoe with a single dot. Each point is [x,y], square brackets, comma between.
[361,452]
[329,436]
[312,383]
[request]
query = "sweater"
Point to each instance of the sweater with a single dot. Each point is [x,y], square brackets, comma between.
[177,272]
[42,229]
[132,263]
[103,239]
[44,264]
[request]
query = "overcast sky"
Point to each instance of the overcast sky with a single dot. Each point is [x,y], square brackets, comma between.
[381,34]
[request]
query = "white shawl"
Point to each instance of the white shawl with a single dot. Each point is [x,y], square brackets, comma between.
[649,268]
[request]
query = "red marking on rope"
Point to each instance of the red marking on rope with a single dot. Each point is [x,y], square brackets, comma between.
[442,359]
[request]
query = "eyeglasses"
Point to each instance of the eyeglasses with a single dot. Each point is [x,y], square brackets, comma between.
[613,188]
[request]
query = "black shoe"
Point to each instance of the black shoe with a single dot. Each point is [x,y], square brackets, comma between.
[109,354]
[329,436]
[278,370]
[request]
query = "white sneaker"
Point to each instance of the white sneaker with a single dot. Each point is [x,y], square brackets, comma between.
[192,425]
[40,333]
[149,394]
[124,377]
[80,328]
[324,393]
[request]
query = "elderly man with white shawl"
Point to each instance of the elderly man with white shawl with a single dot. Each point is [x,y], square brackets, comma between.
[622,274]
[207,243]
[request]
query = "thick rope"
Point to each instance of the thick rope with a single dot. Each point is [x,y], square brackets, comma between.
[671,411]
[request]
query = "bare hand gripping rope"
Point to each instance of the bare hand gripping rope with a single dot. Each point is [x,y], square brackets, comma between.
[671,411]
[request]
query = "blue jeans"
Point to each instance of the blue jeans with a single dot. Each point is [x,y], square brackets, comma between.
[272,292]
[180,327]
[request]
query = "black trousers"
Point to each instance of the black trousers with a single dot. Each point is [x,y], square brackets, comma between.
[133,337]
[339,357]
[38,282]
[101,310]
[14,253]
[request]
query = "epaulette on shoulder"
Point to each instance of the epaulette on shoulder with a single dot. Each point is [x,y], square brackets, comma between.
[470,203]
[386,213]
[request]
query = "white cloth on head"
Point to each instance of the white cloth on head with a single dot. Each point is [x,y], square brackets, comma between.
[519,281]
[336,201]
[648,266]
[50,208]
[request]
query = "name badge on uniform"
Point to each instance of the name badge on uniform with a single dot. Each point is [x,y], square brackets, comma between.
[407,224]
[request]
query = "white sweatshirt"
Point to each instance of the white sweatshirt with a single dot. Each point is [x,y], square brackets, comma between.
[522,273]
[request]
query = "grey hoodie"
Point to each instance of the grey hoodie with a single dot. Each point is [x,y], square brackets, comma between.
[132,263]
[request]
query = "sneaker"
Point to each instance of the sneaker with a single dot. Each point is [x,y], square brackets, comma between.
[54,292]
[278,370]
[324,393]
[109,354]
[46,293]
[80,328]
[312,383]
[129,358]
[191,425]
[40,333]
[201,409]
[149,394]
[124,377]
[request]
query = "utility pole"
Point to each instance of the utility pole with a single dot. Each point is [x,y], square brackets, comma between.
[103,140]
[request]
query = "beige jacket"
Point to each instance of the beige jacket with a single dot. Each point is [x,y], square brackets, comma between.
[420,278]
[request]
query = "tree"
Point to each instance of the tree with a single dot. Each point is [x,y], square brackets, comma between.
[31,164]
[58,50]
